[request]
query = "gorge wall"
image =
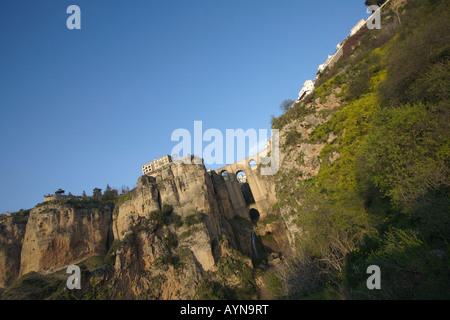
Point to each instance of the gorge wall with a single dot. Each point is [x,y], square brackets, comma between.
[171,230]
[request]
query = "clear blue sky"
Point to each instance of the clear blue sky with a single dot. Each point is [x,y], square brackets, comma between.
[83,108]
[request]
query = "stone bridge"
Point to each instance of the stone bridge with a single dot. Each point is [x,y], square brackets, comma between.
[262,186]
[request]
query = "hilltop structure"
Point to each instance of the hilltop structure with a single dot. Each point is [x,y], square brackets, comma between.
[156,164]
[59,194]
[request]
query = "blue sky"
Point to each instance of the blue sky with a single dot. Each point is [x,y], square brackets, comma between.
[80,109]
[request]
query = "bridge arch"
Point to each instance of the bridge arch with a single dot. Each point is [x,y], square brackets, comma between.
[225,175]
[262,187]
[242,174]
[245,187]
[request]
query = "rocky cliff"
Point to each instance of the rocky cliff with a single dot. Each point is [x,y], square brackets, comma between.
[158,241]
[12,231]
[168,231]
[52,236]
[58,235]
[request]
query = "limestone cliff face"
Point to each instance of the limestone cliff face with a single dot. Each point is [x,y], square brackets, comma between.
[149,251]
[12,231]
[146,267]
[188,189]
[185,187]
[166,261]
[58,235]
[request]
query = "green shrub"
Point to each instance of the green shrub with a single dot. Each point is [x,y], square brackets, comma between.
[110,257]
[409,268]
[208,289]
[234,265]
[298,111]
[157,216]
[163,216]
[166,209]
[189,232]
[193,218]
[407,154]
[176,220]
[274,285]
[163,261]
[169,240]
[124,198]
[34,286]
[419,55]
[292,137]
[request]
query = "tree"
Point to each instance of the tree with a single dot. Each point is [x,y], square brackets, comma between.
[84,194]
[374,2]
[97,193]
[286,104]
[110,193]
[115,193]
[124,189]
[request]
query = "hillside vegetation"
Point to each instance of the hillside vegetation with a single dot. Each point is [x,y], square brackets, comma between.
[380,196]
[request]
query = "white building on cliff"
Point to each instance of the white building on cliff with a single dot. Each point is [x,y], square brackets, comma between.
[308,87]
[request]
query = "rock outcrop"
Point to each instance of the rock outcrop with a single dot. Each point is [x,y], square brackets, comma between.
[12,231]
[58,235]
[174,256]
[51,236]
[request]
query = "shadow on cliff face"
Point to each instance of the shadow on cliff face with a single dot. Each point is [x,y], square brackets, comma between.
[254,215]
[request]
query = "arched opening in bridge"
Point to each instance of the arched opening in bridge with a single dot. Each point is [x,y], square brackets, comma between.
[225,175]
[245,187]
[252,163]
[241,177]
[254,215]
